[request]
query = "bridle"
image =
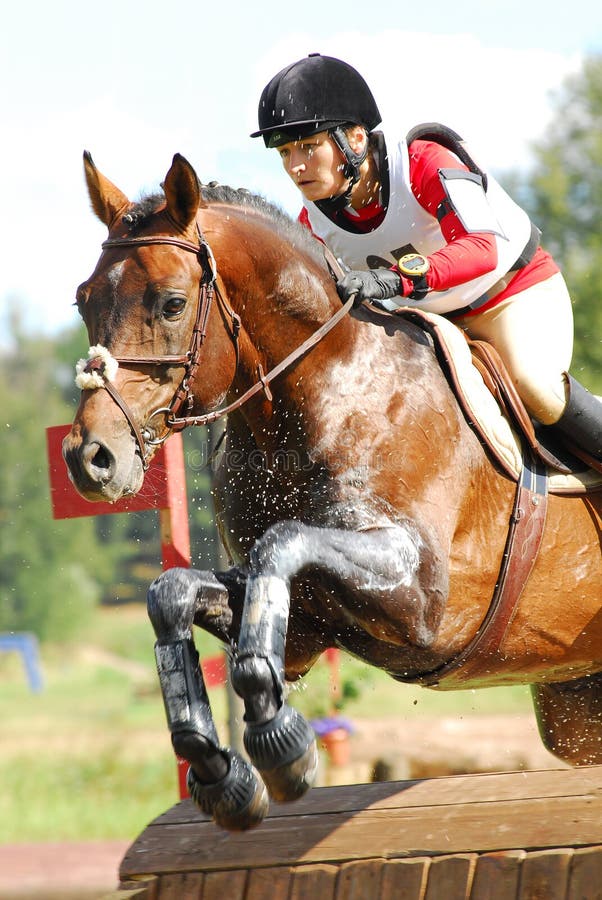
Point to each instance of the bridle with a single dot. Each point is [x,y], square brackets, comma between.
[183,399]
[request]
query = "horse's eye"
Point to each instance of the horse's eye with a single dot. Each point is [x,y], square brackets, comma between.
[174,307]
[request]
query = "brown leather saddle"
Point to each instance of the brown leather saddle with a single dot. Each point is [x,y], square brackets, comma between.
[546,444]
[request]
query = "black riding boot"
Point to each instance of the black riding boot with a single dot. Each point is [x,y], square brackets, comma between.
[581,420]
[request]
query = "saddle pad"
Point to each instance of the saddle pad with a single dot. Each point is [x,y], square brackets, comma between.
[481,406]
[485,416]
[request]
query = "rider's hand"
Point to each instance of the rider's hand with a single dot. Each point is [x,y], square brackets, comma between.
[378,284]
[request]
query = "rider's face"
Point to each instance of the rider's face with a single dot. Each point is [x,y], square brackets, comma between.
[315,164]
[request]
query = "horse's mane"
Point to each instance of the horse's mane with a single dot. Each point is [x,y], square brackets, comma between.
[142,210]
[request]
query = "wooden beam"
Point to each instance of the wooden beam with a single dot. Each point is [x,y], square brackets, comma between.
[431,818]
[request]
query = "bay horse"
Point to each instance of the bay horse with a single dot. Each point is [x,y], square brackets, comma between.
[358,507]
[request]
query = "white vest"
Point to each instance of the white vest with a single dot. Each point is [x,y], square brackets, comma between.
[408,225]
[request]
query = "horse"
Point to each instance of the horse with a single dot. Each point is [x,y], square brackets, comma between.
[358,506]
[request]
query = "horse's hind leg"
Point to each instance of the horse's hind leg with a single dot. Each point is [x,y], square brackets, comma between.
[220,781]
[569,716]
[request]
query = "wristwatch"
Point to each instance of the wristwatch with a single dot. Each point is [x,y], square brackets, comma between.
[415,266]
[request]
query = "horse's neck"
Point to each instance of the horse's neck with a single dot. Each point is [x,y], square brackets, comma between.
[277,416]
[283,297]
[275,274]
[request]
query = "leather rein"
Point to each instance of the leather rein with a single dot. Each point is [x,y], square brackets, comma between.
[183,399]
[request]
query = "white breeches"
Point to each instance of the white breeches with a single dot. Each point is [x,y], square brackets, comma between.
[533,333]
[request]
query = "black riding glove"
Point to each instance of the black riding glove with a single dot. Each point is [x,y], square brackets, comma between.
[379,284]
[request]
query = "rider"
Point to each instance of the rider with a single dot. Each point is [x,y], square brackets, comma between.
[419,224]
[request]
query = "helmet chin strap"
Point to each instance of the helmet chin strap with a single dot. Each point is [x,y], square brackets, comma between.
[351,171]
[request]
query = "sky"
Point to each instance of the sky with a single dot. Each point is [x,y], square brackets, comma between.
[135,81]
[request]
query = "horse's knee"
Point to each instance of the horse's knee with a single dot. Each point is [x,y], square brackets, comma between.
[569,717]
[173,599]
[280,551]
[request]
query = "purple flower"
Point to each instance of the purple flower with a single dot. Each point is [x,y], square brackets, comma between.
[330,723]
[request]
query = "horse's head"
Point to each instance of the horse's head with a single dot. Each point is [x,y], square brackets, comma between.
[146,307]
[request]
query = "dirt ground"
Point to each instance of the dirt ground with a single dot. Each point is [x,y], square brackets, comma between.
[421,748]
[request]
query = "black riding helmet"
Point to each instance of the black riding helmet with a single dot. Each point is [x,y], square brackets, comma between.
[314,94]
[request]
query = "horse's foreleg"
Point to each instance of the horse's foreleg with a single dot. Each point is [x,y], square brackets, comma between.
[370,566]
[219,780]
[277,738]
[569,716]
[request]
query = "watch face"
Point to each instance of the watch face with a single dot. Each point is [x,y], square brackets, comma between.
[413,265]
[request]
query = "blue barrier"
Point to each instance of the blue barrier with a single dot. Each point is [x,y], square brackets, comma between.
[27,645]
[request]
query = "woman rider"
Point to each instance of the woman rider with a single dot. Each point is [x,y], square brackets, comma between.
[418,223]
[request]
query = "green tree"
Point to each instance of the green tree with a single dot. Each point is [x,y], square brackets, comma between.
[563,193]
[50,571]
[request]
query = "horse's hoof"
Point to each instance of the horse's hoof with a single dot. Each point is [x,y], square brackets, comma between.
[291,781]
[238,801]
[284,751]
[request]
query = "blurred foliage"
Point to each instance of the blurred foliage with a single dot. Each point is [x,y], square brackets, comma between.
[563,194]
[50,573]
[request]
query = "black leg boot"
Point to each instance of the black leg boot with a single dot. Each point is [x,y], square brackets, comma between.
[581,420]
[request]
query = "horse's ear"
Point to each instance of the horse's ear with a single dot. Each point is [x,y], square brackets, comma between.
[182,192]
[106,199]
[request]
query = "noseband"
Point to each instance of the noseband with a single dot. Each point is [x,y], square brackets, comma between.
[183,399]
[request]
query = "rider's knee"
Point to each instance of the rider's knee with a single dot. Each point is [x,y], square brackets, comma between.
[543,394]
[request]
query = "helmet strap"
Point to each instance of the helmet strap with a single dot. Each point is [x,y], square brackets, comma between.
[351,171]
[353,160]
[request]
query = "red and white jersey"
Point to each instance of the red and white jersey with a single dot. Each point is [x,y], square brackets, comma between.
[463,264]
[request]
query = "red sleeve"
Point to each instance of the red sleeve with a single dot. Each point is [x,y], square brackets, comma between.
[465,256]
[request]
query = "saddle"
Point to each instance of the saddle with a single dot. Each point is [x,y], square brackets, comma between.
[458,355]
[497,380]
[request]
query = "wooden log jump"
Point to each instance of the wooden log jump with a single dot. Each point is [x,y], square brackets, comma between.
[512,836]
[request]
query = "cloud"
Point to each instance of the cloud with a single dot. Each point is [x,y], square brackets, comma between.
[497,98]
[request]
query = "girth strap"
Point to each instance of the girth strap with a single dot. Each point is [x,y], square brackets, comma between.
[523,541]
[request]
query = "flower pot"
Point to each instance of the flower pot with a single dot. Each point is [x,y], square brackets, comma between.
[336,743]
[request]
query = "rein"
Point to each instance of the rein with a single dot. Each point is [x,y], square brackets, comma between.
[183,398]
[264,380]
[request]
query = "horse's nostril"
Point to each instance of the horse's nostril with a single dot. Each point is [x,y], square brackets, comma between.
[97,459]
[101,459]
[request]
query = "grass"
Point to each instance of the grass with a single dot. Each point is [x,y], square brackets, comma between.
[90,757]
